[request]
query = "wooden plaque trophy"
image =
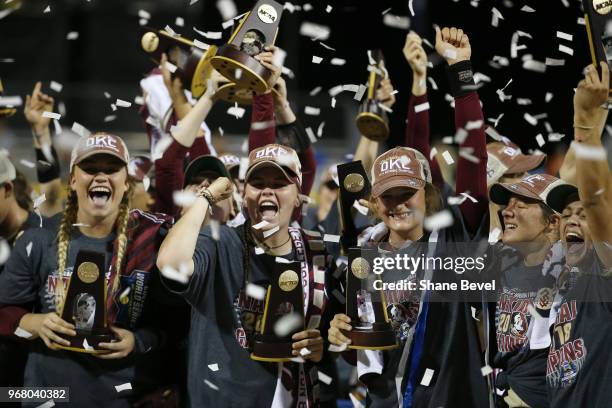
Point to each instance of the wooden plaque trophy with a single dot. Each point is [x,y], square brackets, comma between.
[598,19]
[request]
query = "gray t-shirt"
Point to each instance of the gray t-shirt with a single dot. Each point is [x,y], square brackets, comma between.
[223,321]
[31,276]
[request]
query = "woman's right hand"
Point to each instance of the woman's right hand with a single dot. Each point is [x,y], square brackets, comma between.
[334,335]
[46,326]
[415,54]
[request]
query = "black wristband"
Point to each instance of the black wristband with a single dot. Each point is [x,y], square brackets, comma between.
[46,171]
[461,78]
[294,136]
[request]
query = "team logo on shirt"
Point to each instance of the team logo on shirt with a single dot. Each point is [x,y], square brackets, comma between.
[566,355]
[513,319]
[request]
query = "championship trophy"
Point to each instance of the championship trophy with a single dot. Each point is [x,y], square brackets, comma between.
[366,306]
[85,304]
[598,19]
[5,110]
[192,63]
[235,60]
[372,120]
[284,297]
[354,185]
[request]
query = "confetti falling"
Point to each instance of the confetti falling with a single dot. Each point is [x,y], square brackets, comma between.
[123,387]
[287,324]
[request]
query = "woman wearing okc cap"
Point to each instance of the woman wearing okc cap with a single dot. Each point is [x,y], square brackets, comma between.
[97,218]
[225,315]
[431,335]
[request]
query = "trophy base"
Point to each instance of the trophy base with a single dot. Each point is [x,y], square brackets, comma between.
[230,92]
[372,121]
[93,340]
[252,75]
[379,337]
[271,349]
[200,70]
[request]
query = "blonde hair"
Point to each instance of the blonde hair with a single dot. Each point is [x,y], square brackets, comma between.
[63,240]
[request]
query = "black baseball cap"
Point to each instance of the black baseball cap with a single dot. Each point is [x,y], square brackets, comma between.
[204,163]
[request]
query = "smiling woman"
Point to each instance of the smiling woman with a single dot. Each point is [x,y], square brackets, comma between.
[97,218]
[242,261]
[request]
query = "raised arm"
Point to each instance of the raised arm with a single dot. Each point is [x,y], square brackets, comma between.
[454,46]
[417,123]
[592,173]
[47,163]
[169,168]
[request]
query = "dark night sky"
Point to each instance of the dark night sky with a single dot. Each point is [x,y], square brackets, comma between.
[105,57]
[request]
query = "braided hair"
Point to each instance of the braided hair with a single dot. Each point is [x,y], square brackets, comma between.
[65,230]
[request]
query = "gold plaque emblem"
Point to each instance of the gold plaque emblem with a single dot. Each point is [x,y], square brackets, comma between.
[149,41]
[360,268]
[88,272]
[354,182]
[602,7]
[267,13]
[288,280]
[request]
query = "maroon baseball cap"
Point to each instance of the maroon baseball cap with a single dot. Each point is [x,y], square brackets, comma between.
[507,158]
[99,143]
[400,167]
[544,188]
[139,166]
[279,156]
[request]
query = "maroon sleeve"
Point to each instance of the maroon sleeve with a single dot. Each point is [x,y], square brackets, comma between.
[169,178]
[10,316]
[417,135]
[472,176]
[199,148]
[309,169]
[263,111]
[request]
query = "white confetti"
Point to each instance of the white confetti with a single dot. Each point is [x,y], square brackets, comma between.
[474,313]
[201,45]
[495,17]
[214,229]
[466,153]
[27,163]
[386,11]
[47,404]
[530,119]
[333,102]
[39,200]
[287,324]
[261,125]
[421,107]
[328,9]
[540,140]
[227,9]
[362,209]
[86,345]
[47,9]
[486,370]
[144,14]
[179,22]
[184,198]
[338,61]
[51,115]
[256,291]
[172,274]
[324,378]
[401,22]
[307,7]
[56,86]
[213,367]
[326,46]
[11,101]
[259,251]
[310,110]
[24,334]
[337,349]
[593,153]
[314,31]
[315,91]
[211,385]
[260,225]
[473,124]
[548,97]
[170,67]
[533,65]
[468,196]
[360,92]
[73,35]
[564,36]
[527,9]
[311,135]
[581,21]
[109,118]
[332,238]
[211,35]
[438,221]
[236,111]
[447,157]
[304,352]
[270,232]
[123,104]
[448,53]
[5,251]
[123,387]
[427,376]
[29,248]
[171,31]
[278,58]
[565,49]
[320,129]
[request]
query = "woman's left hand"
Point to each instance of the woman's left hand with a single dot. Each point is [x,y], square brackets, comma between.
[310,339]
[121,348]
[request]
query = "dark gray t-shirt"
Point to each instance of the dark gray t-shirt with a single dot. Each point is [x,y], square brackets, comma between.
[31,276]
[223,321]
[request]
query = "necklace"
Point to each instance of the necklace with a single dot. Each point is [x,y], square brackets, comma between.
[268,247]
